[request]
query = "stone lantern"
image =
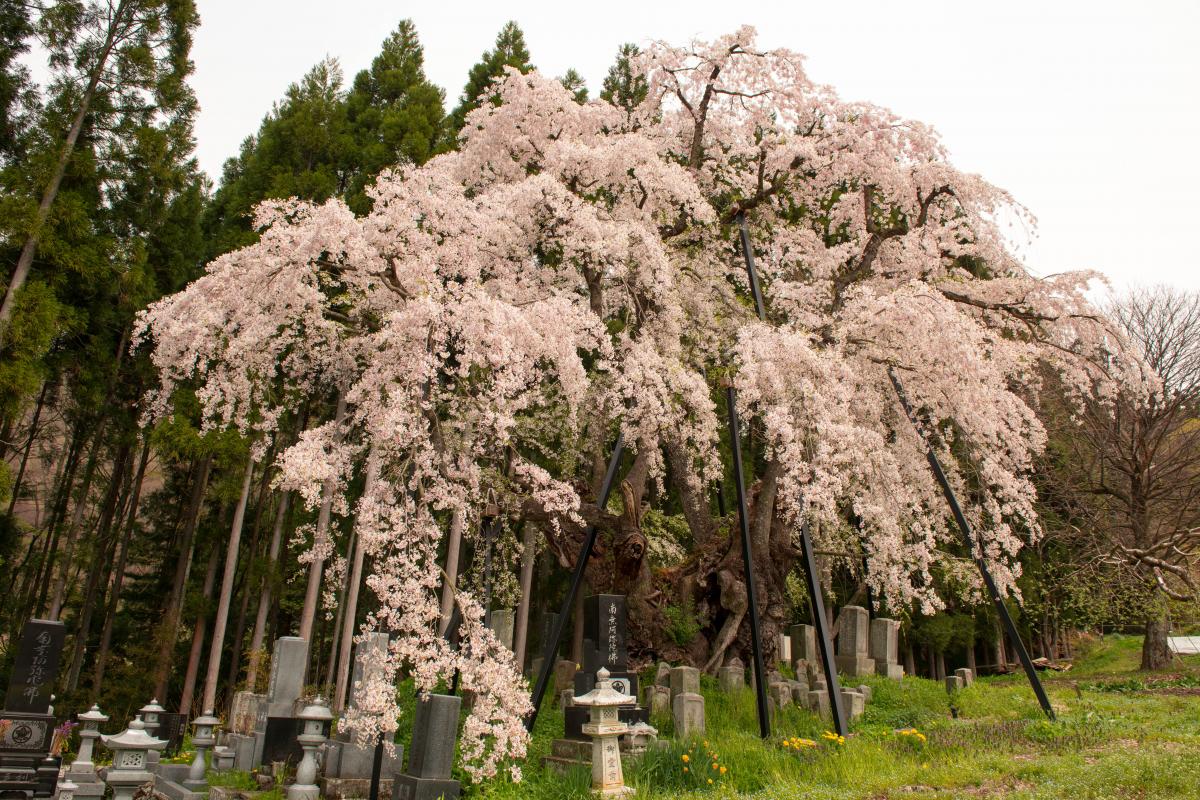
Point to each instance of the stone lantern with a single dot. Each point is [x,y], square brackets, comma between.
[203,737]
[152,715]
[314,718]
[82,769]
[130,748]
[605,728]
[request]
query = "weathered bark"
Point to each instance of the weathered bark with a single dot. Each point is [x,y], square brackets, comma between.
[81,504]
[453,556]
[101,565]
[199,630]
[1156,653]
[971,659]
[118,579]
[29,440]
[169,631]
[264,598]
[231,558]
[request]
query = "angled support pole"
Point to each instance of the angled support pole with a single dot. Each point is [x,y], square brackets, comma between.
[585,554]
[969,539]
[760,667]
[824,641]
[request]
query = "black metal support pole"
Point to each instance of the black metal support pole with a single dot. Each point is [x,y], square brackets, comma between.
[936,466]
[585,553]
[376,769]
[760,667]
[824,640]
[821,623]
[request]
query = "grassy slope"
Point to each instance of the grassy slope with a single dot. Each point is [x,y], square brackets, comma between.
[1118,734]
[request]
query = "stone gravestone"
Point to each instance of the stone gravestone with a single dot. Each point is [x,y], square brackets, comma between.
[684,680]
[885,648]
[688,710]
[785,649]
[967,676]
[604,636]
[853,627]
[243,719]
[348,765]
[780,695]
[501,621]
[25,764]
[732,675]
[276,728]
[804,644]
[953,683]
[662,674]
[854,703]
[431,751]
[172,727]
[35,667]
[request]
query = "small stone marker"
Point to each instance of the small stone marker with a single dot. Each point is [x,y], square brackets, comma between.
[684,680]
[431,751]
[818,702]
[967,676]
[865,691]
[688,710]
[657,699]
[35,668]
[799,693]
[852,658]
[732,675]
[885,647]
[953,683]
[564,675]
[605,728]
[785,648]
[780,695]
[853,702]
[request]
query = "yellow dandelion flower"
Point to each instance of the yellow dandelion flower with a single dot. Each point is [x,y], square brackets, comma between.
[710,781]
[723,770]
[716,765]
[685,758]
[685,769]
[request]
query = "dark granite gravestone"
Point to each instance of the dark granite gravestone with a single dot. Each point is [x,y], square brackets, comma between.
[431,751]
[279,740]
[35,667]
[172,727]
[605,632]
[26,768]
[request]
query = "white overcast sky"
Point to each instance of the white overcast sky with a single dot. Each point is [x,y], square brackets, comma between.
[1087,112]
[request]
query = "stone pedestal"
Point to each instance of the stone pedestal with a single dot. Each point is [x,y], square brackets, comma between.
[688,711]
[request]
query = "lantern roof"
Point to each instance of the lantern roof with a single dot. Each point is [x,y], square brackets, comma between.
[134,738]
[93,714]
[603,695]
[318,710]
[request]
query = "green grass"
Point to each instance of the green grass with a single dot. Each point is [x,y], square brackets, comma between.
[1118,733]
